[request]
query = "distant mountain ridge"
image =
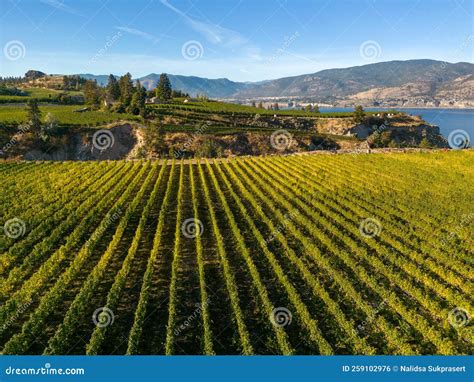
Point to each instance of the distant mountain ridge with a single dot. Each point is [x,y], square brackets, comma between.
[216,88]
[379,81]
[346,81]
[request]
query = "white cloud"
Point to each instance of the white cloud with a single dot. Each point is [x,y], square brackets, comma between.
[59,5]
[142,34]
[216,34]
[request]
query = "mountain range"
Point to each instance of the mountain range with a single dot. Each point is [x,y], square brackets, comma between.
[427,80]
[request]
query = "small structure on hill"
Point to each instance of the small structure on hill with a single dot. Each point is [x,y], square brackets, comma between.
[152,100]
[81,110]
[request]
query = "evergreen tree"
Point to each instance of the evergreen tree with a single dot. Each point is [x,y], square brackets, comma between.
[359,114]
[137,105]
[141,99]
[91,93]
[425,143]
[113,89]
[179,94]
[126,89]
[33,116]
[163,89]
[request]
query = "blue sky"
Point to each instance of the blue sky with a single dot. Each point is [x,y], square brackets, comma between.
[243,40]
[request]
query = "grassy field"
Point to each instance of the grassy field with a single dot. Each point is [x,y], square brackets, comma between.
[42,95]
[191,114]
[64,114]
[341,254]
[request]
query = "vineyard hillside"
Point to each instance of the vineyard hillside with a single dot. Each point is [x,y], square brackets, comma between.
[309,254]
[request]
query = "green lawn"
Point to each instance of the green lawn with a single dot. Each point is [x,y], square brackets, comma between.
[64,114]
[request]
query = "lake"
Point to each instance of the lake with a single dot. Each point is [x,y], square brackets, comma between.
[447,119]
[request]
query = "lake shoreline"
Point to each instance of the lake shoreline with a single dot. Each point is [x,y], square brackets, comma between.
[398,108]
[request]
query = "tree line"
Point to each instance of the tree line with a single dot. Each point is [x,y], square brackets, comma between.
[125,95]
